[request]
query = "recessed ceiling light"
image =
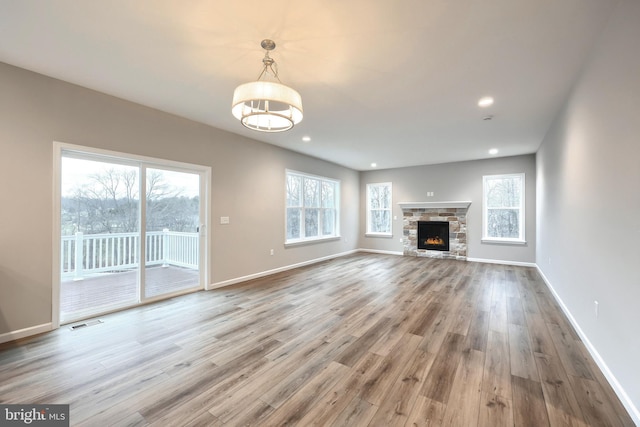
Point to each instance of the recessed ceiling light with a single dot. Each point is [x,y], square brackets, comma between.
[374,165]
[493,151]
[306,138]
[485,102]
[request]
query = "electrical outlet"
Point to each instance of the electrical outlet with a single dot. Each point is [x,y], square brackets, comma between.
[596,306]
[271,252]
[224,220]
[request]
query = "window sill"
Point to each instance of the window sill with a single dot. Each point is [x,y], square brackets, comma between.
[383,235]
[516,242]
[293,243]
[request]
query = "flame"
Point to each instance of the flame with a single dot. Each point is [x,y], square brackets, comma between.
[434,241]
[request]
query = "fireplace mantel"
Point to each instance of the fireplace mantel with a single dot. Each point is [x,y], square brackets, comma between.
[434,205]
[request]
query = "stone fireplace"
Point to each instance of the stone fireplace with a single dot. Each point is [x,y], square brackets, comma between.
[429,216]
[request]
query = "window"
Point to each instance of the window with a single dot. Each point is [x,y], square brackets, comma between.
[379,209]
[503,216]
[128,226]
[312,211]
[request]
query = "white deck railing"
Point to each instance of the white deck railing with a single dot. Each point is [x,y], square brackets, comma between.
[83,255]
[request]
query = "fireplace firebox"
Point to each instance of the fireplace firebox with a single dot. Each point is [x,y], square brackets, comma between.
[433,235]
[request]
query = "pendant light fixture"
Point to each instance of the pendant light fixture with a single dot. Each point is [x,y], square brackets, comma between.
[267,106]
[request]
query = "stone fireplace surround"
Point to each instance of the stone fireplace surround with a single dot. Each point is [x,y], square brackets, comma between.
[454,212]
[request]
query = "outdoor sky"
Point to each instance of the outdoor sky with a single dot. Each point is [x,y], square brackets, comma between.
[76,171]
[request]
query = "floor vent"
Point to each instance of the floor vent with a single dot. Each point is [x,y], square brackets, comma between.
[86,324]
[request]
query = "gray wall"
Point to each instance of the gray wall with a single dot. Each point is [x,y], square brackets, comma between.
[589,199]
[247,185]
[455,182]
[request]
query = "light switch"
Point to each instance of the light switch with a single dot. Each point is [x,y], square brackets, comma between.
[224,220]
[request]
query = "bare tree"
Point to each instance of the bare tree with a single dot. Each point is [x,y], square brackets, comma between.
[108,202]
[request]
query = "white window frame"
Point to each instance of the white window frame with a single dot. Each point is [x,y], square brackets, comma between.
[485,211]
[389,209]
[322,211]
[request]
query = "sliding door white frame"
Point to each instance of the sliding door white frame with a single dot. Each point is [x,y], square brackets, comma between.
[204,172]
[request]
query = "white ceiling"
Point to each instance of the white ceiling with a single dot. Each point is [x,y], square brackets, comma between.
[394,82]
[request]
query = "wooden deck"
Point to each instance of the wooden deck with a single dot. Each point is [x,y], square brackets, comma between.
[97,293]
[361,340]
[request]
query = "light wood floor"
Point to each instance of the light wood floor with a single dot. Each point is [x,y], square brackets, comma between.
[361,340]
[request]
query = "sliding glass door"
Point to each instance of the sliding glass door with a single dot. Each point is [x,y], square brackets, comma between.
[172,228]
[100,236]
[107,229]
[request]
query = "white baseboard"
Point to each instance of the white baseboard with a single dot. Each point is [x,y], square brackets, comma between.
[275,270]
[26,332]
[617,388]
[376,251]
[499,261]
[489,261]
